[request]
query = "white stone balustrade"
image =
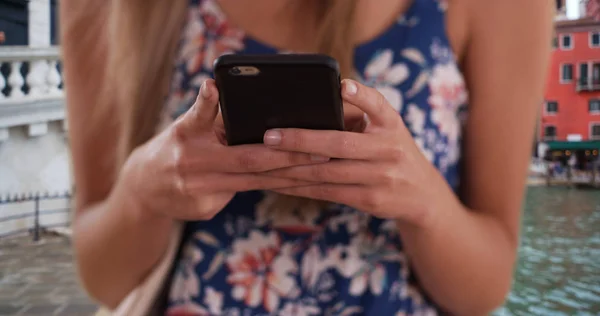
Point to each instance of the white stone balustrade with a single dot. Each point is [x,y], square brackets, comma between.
[31,91]
[42,78]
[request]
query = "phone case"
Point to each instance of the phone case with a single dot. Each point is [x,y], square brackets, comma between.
[289,91]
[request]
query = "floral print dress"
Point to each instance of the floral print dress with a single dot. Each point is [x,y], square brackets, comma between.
[333,261]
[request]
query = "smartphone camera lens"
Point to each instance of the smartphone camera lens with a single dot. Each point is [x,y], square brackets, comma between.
[235,71]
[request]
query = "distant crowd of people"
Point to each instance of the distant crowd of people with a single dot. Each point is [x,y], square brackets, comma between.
[573,168]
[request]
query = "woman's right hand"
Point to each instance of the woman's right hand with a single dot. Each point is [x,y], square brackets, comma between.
[186,172]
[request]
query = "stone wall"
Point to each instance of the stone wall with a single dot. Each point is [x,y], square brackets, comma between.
[30,164]
[34,152]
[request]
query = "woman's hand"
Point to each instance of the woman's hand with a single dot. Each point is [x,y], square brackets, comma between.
[187,173]
[380,171]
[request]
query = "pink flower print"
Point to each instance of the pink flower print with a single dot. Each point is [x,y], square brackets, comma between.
[448,94]
[193,41]
[221,37]
[186,284]
[384,76]
[261,270]
[207,36]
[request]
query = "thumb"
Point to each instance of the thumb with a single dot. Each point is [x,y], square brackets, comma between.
[201,116]
[219,129]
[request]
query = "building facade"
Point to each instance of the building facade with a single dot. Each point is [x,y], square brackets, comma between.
[34,149]
[570,117]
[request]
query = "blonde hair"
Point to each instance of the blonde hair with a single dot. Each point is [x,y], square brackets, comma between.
[142,43]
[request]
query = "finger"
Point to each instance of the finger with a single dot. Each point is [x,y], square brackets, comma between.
[357,196]
[202,114]
[370,101]
[229,182]
[408,207]
[241,159]
[338,172]
[259,158]
[219,129]
[334,144]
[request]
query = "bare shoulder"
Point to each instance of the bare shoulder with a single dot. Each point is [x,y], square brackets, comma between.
[469,18]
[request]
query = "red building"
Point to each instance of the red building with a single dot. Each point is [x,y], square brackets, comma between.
[570,119]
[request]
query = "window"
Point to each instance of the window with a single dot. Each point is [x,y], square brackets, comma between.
[596,73]
[566,42]
[583,74]
[594,106]
[551,107]
[555,42]
[595,130]
[566,75]
[594,39]
[549,132]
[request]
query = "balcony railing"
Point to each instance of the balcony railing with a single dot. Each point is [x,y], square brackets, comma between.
[30,73]
[586,84]
[31,87]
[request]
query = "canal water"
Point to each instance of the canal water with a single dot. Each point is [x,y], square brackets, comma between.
[559,259]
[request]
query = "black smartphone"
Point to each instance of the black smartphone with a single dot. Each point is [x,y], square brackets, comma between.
[261,92]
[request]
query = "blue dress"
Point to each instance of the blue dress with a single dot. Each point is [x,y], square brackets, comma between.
[253,259]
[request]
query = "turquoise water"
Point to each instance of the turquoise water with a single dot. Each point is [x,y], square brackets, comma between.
[559,266]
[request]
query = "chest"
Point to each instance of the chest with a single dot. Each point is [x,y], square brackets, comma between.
[293,25]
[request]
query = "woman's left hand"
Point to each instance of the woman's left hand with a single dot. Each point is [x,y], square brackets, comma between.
[379,170]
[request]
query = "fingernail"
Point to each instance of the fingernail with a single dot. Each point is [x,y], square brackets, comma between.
[272,137]
[351,87]
[318,158]
[205,91]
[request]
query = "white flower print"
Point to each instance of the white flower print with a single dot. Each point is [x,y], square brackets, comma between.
[410,22]
[441,53]
[262,270]
[350,219]
[302,308]
[214,300]
[342,309]
[384,76]
[361,261]
[443,5]
[415,119]
[186,284]
[313,266]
